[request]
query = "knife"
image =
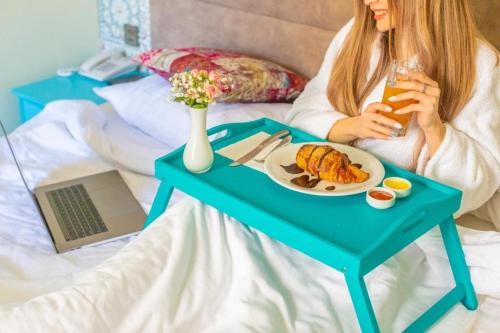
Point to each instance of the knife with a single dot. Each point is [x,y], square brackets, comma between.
[254,152]
[283,143]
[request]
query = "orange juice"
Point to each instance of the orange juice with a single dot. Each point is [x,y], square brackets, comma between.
[398,72]
[403,119]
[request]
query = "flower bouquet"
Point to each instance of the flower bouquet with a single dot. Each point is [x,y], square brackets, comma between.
[198,89]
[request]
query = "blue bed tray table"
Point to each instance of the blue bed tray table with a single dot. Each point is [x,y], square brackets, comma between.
[344,233]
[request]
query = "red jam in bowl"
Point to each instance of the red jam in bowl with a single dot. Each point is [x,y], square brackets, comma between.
[381,195]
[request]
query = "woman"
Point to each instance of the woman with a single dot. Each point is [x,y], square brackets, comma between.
[454,136]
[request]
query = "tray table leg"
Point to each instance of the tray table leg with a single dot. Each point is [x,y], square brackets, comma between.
[361,301]
[457,261]
[160,203]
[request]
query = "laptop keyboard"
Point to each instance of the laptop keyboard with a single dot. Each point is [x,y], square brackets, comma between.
[75,212]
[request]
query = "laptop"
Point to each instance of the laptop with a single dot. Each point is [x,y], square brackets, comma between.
[86,211]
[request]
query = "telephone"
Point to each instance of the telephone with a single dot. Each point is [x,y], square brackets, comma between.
[107,65]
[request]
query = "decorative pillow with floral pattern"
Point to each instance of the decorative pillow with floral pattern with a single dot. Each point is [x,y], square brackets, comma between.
[253,80]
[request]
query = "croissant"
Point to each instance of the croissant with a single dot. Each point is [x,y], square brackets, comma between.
[329,164]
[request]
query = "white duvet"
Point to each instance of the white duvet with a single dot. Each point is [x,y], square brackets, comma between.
[195,269]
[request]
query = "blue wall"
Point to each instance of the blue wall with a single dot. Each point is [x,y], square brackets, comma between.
[36,38]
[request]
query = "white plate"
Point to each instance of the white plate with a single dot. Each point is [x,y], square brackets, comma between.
[286,156]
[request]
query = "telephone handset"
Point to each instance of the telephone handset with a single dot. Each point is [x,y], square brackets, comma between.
[107,65]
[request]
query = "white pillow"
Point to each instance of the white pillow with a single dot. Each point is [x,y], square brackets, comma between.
[146,105]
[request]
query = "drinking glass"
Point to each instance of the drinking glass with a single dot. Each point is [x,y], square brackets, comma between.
[398,72]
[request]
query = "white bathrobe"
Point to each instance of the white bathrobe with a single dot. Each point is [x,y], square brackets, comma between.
[468,158]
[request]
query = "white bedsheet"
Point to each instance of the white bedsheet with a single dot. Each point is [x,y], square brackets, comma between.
[195,269]
[52,148]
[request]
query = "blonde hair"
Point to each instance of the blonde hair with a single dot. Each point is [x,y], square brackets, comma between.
[442,33]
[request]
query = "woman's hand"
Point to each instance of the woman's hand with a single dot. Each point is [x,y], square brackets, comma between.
[427,93]
[369,124]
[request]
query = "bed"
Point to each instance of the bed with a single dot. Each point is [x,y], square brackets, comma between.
[195,269]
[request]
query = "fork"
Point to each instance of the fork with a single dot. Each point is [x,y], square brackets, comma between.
[283,143]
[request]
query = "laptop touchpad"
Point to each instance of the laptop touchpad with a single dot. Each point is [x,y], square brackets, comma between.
[114,201]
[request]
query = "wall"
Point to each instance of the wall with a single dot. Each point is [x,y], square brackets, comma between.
[113,14]
[36,38]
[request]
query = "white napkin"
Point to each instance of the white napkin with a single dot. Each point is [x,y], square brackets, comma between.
[240,148]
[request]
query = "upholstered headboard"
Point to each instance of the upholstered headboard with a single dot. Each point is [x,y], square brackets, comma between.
[294,33]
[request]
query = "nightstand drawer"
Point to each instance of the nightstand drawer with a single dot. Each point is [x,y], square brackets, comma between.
[28,109]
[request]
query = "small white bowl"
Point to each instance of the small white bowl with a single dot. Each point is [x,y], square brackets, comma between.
[399,193]
[380,204]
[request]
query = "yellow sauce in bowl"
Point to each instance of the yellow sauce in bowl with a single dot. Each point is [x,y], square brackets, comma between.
[397,184]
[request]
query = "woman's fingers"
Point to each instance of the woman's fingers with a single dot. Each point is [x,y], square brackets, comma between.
[416,108]
[381,119]
[419,87]
[380,129]
[374,107]
[418,96]
[375,125]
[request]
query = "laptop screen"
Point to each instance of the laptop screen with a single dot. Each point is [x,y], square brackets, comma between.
[18,166]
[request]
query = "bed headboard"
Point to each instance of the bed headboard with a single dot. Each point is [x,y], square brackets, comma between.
[294,33]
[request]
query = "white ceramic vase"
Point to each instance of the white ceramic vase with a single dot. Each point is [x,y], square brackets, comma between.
[198,156]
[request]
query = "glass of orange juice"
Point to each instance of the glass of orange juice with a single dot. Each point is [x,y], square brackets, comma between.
[397,72]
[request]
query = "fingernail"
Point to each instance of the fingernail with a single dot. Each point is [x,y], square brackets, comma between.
[397,112]
[403,71]
[392,98]
[389,138]
[398,125]
[388,109]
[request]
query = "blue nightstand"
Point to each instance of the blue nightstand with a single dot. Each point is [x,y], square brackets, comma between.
[34,96]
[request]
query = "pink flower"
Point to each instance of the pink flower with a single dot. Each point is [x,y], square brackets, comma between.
[212,91]
[214,76]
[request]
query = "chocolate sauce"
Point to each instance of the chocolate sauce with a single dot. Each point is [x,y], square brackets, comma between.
[292,169]
[301,181]
[313,182]
[344,162]
[321,160]
[310,155]
[305,181]
[331,188]
[357,165]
